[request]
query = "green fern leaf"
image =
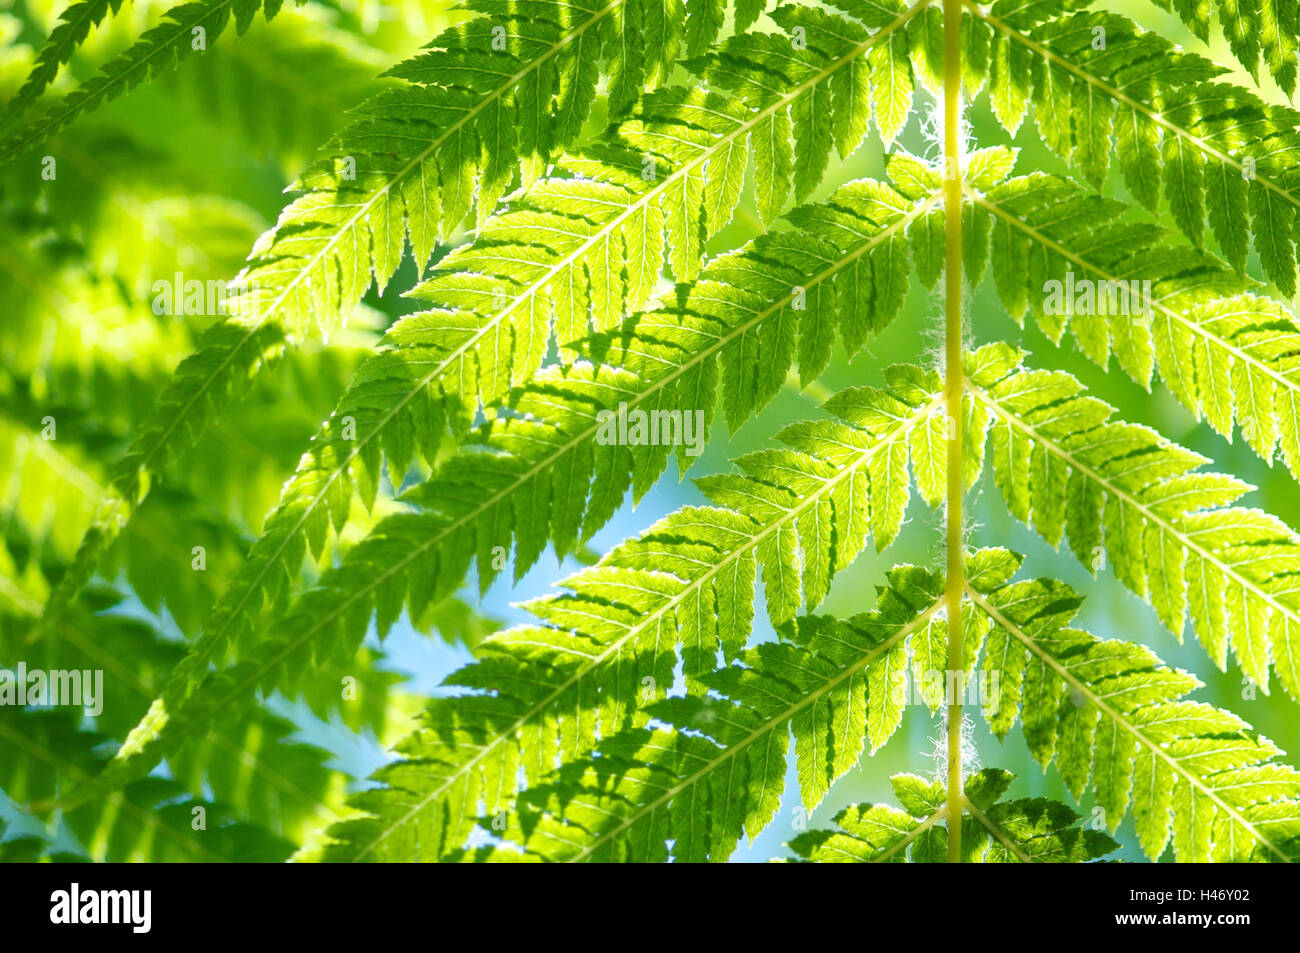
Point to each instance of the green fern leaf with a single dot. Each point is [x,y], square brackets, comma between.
[74,25]
[1165,527]
[1267,26]
[151,820]
[159,49]
[1220,150]
[380,187]
[481,349]
[524,487]
[1109,712]
[763,525]
[702,790]
[1225,354]
[1027,830]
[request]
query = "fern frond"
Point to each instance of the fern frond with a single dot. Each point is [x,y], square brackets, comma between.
[1226,354]
[1270,27]
[409,168]
[639,715]
[426,152]
[339,234]
[159,49]
[1109,712]
[151,820]
[250,764]
[1123,491]
[45,500]
[623,620]
[1023,831]
[395,395]
[74,25]
[716,769]
[48,494]
[740,304]
[1221,152]
[227,353]
[546,475]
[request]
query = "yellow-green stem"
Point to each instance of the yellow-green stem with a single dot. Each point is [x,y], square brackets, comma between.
[952,160]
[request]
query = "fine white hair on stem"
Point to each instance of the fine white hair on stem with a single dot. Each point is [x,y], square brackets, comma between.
[932,129]
[939,746]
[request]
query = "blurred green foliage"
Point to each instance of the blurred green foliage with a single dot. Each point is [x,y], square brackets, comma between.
[184,173]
